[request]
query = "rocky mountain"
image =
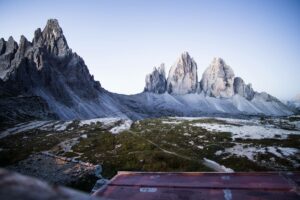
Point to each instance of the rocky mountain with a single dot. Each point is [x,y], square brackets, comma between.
[217,79]
[218,92]
[183,78]
[47,67]
[156,82]
[54,82]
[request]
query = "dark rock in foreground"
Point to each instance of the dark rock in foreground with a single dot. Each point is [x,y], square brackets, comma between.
[18,187]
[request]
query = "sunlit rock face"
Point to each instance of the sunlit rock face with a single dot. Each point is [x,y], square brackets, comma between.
[217,80]
[183,76]
[156,82]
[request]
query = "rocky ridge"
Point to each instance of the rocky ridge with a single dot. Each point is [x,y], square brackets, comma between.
[218,80]
[47,69]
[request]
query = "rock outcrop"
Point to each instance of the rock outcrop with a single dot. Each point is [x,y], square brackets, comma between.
[17,186]
[242,89]
[183,78]
[156,82]
[217,80]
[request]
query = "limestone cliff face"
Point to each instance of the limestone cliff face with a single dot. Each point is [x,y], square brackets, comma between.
[156,82]
[217,80]
[183,78]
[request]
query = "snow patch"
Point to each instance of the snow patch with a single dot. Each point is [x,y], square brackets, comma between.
[63,126]
[171,122]
[125,125]
[216,166]
[187,134]
[188,118]
[248,131]
[22,128]
[84,136]
[106,121]
[251,152]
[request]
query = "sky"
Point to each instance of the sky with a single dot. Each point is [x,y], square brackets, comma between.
[121,41]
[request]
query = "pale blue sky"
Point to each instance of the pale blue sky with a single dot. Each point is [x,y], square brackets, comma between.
[121,41]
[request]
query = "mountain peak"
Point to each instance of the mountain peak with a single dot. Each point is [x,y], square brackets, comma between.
[11,45]
[161,69]
[156,82]
[217,80]
[52,28]
[183,76]
[217,61]
[53,38]
[53,22]
[185,56]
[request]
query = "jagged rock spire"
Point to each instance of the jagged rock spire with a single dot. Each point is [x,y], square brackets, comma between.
[183,76]
[7,54]
[52,29]
[156,82]
[217,80]
[52,38]
[11,45]
[23,47]
[2,46]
